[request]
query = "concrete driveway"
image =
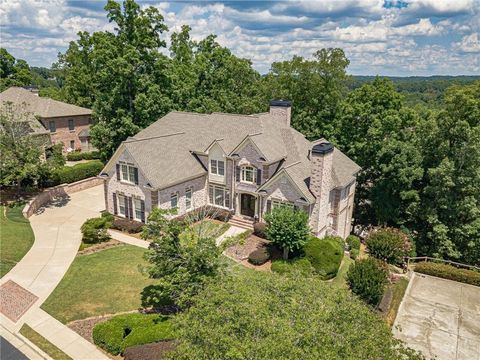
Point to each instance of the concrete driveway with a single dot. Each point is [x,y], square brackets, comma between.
[440,318]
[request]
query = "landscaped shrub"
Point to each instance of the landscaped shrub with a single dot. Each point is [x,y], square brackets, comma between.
[108,216]
[367,279]
[449,272]
[259,256]
[353,242]
[259,230]
[77,155]
[354,253]
[325,255]
[122,331]
[301,265]
[389,245]
[126,225]
[94,230]
[70,174]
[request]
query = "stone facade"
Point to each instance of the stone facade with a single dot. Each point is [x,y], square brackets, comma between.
[199,195]
[63,134]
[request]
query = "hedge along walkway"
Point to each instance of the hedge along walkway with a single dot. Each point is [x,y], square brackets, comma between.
[57,239]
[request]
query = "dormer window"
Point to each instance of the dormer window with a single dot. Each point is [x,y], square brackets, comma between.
[248,174]
[217,167]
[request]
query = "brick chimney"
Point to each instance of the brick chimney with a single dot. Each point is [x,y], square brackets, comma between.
[281,109]
[321,161]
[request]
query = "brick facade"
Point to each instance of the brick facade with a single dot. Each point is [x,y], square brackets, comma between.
[62,132]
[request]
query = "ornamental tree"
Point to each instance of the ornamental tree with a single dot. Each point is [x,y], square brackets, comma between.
[287,228]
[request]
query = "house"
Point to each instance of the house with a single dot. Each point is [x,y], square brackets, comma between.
[244,164]
[67,124]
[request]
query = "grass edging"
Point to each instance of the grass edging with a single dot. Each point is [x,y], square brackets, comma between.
[398,292]
[448,272]
[43,344]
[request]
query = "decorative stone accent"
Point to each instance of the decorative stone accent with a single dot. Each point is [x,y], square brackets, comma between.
[15,300]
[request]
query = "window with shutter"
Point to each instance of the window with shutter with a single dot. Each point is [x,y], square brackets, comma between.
[122,211]
[118,171]
[138,213]
[115,211]
[188,198]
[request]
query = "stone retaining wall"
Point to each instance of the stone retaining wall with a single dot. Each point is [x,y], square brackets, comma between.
[56,192]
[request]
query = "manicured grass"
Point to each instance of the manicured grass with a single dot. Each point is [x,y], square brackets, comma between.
[54,352]
[339,280]
[207,228]
[123,331]
[16,237]
[398,290]
[106,282]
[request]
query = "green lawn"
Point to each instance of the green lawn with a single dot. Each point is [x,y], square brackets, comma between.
[54,352]
[398,289]
[339,280]
[207,228]
[105,282]
[16,237]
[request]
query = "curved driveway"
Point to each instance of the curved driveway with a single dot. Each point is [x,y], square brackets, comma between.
[57,239]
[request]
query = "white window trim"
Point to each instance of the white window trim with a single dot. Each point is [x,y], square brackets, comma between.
[134,201]
[128,180]
[243,171]
[172,195]
[189,189]
[226,193]
[217,167]
[121,200]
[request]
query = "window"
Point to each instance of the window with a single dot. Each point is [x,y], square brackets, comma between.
[280,203]
[121,205]
[128,173]
[72,144]
[52,126]
[219,196]
[137,203]
[248,174]
[188,198]
[71,125]
[217,167]
[174,201]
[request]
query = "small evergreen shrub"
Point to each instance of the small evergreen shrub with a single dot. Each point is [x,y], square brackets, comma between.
[449,272]
[126,225]
[70,174]
[94,230]
[259,256]
[354,253]
[367,279]
[389,245]
[77,155]
[353,242]
[122,331]
[325,255]
[259,230]
[301,265]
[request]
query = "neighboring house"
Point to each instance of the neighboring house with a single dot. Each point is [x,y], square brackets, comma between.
[246,164]
[67,124]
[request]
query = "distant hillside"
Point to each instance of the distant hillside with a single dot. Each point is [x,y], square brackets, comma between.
[423,90]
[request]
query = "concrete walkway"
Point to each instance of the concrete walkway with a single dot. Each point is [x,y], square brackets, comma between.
[232,231]
[127,239]
[57,239]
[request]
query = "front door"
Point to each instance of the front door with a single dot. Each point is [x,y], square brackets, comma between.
[247,205]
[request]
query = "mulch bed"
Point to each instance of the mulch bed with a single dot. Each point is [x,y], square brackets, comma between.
[153,351]
[85,327]
[240,253]
[98,247]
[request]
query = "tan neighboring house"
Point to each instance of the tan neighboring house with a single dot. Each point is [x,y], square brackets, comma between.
[243,164]
[67,124]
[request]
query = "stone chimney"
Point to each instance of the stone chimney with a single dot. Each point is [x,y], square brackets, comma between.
[281,109]
[321,162]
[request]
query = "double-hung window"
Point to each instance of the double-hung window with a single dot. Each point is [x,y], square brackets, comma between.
[219,196]
[217,167]
[71,125]
[174,200]
[188,198]
[52,126]
[280,203]
[121,205]
[248,174]
[137,203]
[128,173]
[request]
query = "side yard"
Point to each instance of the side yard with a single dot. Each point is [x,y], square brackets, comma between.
[16,237]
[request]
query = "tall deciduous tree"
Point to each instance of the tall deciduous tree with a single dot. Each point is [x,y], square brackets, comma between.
[13,72]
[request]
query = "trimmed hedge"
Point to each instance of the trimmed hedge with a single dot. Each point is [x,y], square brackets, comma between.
[353,242]
[449,272]
[325,255]
[259,256]
[77,155]
[122,331]
[301,265]
[259,230]
[367,279]
[126,225]
[70,174]
[94,230]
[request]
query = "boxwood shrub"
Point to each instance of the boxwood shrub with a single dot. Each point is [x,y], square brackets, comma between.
[122,331]
[367,279]
[325,255]
[94,230]
[259,256]
[354,253]
[353,242]
[449,272]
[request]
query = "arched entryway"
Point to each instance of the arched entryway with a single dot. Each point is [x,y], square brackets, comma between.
[247,205]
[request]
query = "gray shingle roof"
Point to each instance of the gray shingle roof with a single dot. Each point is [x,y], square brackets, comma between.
[40,106]
[164,150]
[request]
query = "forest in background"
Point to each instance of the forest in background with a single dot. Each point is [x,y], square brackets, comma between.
[416,139]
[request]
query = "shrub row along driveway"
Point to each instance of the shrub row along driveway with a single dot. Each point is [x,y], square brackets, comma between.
[57,239]
[441,318]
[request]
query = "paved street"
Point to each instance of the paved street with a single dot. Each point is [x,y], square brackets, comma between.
[441,318]
[9,352]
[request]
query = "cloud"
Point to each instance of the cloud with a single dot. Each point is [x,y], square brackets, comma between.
[469,44]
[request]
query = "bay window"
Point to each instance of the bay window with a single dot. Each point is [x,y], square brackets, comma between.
[219,196]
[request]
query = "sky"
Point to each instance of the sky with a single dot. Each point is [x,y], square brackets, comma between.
[379,37]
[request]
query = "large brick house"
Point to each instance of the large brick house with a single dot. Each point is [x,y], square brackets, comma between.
[244,164]
[67,124]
